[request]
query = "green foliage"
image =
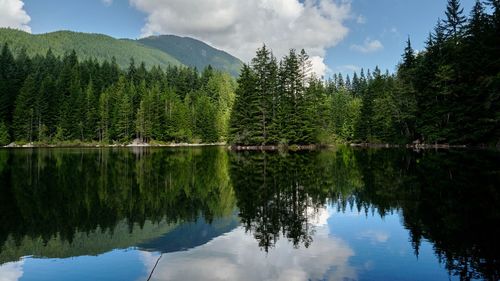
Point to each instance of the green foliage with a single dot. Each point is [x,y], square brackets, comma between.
[116,199]
[446,93]
[87,46]
[276,104]
[163,51]
[88,101]
[24,114]
[454,80]
[4,134]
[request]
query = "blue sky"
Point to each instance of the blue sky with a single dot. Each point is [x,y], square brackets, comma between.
[390,22]
[342,34]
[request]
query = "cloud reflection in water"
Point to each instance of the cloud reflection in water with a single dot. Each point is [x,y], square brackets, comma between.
[237,256]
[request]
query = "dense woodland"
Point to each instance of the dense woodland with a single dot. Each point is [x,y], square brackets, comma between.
[447,93]
[50,99]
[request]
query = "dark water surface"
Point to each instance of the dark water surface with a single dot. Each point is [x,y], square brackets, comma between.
[210,214]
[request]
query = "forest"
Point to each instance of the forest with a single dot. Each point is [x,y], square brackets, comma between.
[447,93]
[54,100]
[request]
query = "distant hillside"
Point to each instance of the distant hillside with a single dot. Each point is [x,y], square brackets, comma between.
[157,50]
[86,45]
[195,53]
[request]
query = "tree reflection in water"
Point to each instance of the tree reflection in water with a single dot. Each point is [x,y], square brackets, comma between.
[53,200]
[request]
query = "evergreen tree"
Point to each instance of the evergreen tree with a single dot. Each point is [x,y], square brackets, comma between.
[24,114]
[455,19]
[4,134]
[243,122]
[104,117]
[42,110]
[7,90]
[264,92]
[125,115]
[91,113]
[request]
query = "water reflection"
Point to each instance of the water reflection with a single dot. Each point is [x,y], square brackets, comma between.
[190,203]
[105,199]
[325,259]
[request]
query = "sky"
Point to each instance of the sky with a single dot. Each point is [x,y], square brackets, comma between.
[339,35]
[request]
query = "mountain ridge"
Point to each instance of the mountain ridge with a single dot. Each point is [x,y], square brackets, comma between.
[194,52]
[173,50]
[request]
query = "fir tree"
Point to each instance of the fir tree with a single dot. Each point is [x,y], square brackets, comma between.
[4,134]
[24,115]
[455,19]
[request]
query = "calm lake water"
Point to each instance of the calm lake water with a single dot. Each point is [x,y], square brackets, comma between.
[211,214]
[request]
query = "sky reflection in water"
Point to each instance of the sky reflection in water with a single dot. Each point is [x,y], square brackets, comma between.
[341,214]
[346,246]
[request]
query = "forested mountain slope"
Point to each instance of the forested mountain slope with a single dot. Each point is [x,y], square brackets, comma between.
[86,45]
[162,50]
[194,53]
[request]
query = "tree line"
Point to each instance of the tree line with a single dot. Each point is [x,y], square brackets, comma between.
[51,99]
[447,93]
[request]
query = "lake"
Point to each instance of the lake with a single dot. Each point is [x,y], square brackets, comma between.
[212,214]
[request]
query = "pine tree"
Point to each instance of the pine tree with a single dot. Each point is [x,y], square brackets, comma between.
[104,117]
[455,19]
[7,91]
[242,128]
[24,114]
[348,84]
[4,134]
[125,115]
[356,85]
[408,56]
[264,92]
[91,113]
[291,93]
[132,72]
[205,125]
[145,117]
[42,110]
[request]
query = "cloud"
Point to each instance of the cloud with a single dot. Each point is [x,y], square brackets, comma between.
[327,258]
[318,66]
[107,2]
[369,46]
[13,15]
[11,271]
[242,26]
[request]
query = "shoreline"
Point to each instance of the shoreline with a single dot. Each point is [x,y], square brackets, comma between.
[309,147]
[116,145]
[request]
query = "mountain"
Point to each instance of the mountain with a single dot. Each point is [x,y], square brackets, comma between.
[158,50]
[86,45]
[194,53]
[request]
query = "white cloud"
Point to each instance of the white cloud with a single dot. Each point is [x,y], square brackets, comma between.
[369,46]
[318,66]
[13,15]
[107,2]
[11,271]
[242,26]
[327,258]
